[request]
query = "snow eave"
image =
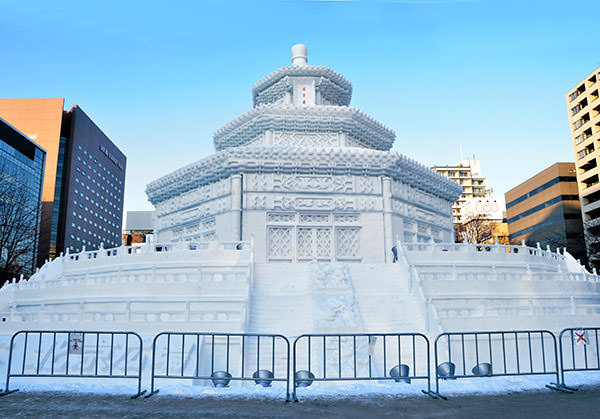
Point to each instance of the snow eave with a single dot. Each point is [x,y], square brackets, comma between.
[300,71]
[244,128]
[301,160]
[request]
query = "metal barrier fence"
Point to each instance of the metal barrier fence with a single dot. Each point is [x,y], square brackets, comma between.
[586,358]
[358,357]
[480,349]
[221,358]
[65,354]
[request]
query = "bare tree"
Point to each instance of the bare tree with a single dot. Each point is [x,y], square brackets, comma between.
[19,210]
[592,243]
[477,229]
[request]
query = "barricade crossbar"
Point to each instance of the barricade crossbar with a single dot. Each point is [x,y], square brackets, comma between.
[396,350]
[582,353]
[250,349]
[488,350]
[81,351]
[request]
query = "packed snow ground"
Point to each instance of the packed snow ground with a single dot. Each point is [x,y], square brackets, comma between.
[461,387]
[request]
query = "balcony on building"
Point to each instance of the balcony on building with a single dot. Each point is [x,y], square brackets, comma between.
[587,166]
[589,182]
[585,151]
[579,107]
[577,92]
[580,122]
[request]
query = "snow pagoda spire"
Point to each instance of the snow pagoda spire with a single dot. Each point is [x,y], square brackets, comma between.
[299,54]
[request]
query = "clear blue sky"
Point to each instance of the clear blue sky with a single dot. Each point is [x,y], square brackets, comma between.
[160,77]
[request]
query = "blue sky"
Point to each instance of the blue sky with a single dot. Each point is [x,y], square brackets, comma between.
[160,77]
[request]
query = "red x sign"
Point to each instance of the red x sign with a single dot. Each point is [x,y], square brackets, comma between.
[580,337]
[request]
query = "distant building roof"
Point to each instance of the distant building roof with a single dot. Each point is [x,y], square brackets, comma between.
[139,220]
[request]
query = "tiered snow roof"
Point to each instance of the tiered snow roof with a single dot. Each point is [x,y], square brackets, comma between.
[273,86]
[301,160]
[355,123]
[236,152]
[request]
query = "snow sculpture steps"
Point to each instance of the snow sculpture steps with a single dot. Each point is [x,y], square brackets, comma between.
[280,300]
[385,298]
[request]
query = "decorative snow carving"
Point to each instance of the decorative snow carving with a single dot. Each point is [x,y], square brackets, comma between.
[314,218]
[281,218]
[280,242]
[347,242]
[323,241]
[309,139]
[311,183]
[304,243]
[334,304]
[347,218]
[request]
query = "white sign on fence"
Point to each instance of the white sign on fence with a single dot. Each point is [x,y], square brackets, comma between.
[580,337]
[75,343]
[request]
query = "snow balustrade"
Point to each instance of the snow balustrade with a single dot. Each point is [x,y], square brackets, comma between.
[241,251]
[497,251]
[220,358]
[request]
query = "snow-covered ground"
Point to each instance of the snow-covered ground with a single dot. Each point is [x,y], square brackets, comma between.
[462,387]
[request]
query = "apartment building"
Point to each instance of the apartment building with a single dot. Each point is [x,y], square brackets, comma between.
[584,117]
[545,209]
[468,174]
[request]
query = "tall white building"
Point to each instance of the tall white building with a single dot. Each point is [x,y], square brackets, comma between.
[475,197]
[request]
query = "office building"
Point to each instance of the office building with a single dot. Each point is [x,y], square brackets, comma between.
[584,118]
[468,174]
[139,227]
[545,209]
[82,200]
[21,178]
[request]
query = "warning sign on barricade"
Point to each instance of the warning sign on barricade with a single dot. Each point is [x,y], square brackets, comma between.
[580,337]
[75,343]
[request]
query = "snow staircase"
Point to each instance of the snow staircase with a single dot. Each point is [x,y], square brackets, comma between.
[385,300]
[292,299]
[280,301]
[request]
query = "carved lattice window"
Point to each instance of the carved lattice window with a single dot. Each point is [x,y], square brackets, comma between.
[304,243]
[347,242]
[323,242]
[280,242]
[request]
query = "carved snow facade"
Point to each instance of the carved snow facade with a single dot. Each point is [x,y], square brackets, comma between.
[307,178]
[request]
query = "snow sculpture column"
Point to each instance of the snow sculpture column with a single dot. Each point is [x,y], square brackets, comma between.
[236,207]
[387,218]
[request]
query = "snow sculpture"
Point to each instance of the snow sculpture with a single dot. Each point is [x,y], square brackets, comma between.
[307,176]
[288,228]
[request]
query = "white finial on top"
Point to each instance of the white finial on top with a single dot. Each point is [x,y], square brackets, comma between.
[299,54]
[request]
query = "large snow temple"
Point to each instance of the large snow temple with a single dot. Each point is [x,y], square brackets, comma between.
[289,228]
